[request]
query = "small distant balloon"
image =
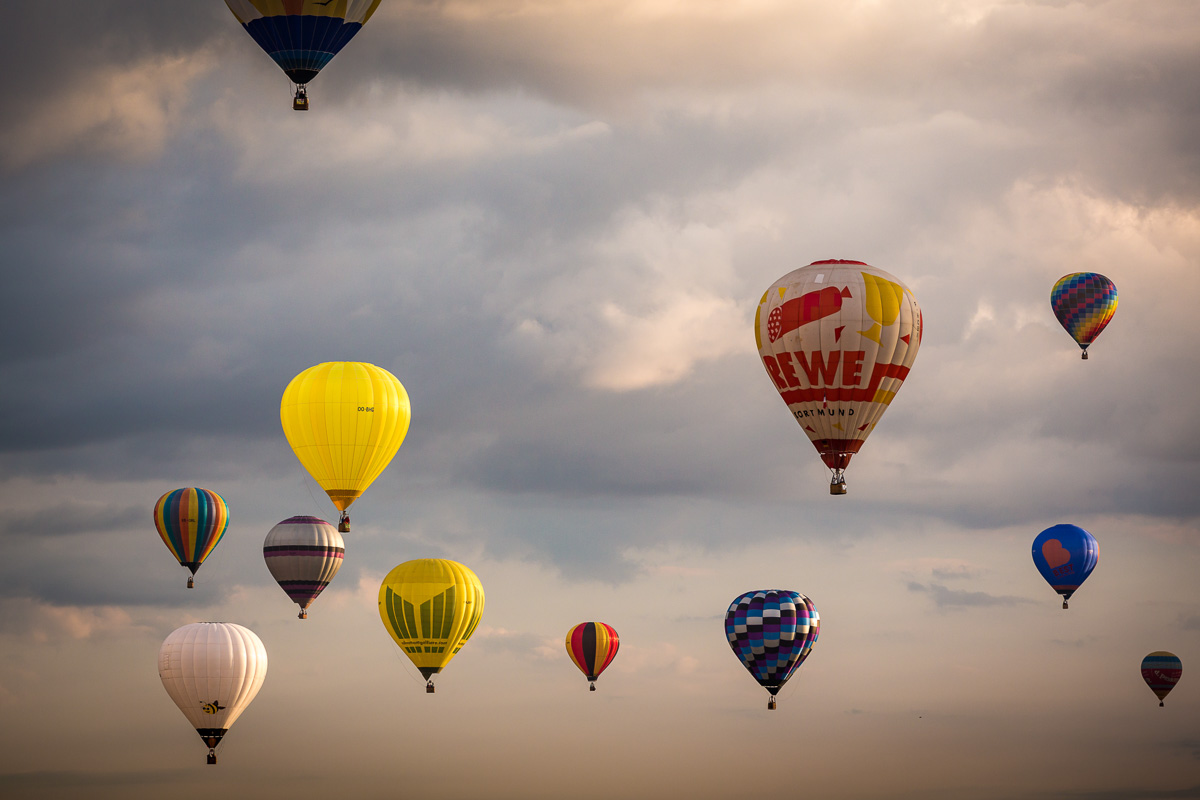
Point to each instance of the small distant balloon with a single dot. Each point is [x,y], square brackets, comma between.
[772,632]
[1161,671]
[303,554]
[592,646]
[1084,303]
[191,523]
[430,607]
[1066,556]
[212,670]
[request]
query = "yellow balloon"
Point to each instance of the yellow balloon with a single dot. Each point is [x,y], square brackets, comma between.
[345,420]
[430,607]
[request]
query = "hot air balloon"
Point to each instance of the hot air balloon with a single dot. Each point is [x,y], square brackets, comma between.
[1084,302]
[430,608]
[303,554]
[302,35]
[837,339]
[592,646]
[1065,555]
[1161,671]
[212,670]
[345,420]
[191,522]
[772,631]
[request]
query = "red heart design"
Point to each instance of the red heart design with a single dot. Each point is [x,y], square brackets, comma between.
[1055,554]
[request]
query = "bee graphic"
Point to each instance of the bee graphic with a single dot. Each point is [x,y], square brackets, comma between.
[212,708]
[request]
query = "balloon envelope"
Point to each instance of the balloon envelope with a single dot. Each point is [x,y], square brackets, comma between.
[344,420]
[302,35]
[430,607]
[592,646]
[191,523]
[837,339]
[212,670]
[772,632]
[1065,555]
[1161,671]
[303,554]
[1084,302]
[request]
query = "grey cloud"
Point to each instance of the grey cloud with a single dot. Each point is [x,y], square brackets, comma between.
[956,598]
[69,518]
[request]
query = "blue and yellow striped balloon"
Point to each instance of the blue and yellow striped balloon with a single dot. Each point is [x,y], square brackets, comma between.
[1084,302]
[191,522]
[302,35]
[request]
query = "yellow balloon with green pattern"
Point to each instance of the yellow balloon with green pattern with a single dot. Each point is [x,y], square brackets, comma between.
[430,607]
[345,420]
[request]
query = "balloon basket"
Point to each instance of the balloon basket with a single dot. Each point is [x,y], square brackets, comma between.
[1161,704]
[303,614]
[771,704]
[191,583]
[300,101]
[1084,356]
[429,688]
[1064,603]
[592,688]
[344,524]
[212,756]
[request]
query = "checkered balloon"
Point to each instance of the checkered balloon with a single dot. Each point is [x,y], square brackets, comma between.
[1084,302]
[772,631]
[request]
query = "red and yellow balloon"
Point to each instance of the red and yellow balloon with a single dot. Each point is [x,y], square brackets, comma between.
[837,339]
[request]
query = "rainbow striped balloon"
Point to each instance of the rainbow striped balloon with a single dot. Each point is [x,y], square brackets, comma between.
[1084,302]
[191,522]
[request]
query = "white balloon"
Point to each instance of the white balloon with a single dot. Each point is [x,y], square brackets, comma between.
[212,670]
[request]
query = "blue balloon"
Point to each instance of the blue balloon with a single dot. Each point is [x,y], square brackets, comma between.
[1065,555]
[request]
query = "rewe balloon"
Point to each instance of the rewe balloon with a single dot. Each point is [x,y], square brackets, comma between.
[212,670]
[592,646]
[1084,303]
[837,339]
[1065,555]
[772,632]
[191,523]
[1161,671]
[303,554]
[430,607]
[302,35]
[345,420]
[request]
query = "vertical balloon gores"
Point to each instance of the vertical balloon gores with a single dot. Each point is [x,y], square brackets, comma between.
[772,632]
[345,420]
[191,523]
[212,670]
[430,607]
[303,554]
[302,36]
[592,646]
[1066,556]
[1084,303]
[838,338]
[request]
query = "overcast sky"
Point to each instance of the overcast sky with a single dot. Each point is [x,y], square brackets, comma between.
[552,220]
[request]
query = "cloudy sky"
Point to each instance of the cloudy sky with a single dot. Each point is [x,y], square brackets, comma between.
[552,220]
